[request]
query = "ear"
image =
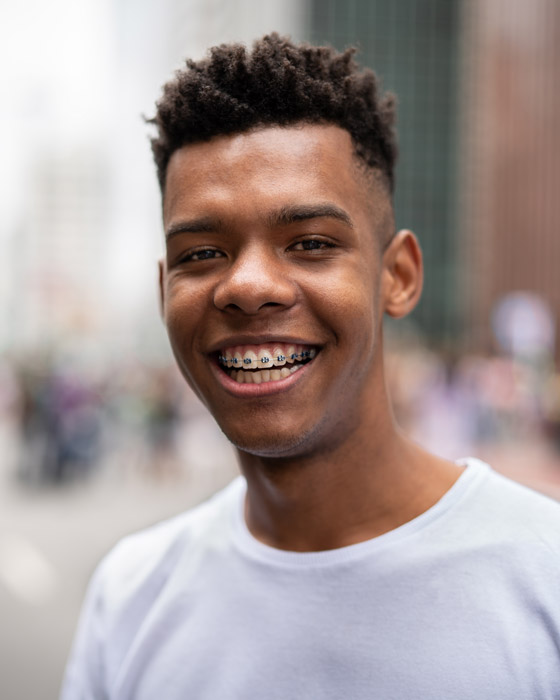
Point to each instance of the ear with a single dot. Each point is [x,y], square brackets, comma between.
[403,274]
[161,266]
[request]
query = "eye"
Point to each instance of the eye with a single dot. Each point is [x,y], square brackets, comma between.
[312,244]
[202,254]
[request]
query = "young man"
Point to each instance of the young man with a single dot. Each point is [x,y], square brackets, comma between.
[346,562]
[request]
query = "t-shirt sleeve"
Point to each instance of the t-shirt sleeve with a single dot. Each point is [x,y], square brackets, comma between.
[84,678]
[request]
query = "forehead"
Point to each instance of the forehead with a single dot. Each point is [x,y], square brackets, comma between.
[267,167]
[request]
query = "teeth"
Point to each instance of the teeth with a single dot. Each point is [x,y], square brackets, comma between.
[264,375]
[241,359]
[264,358]
[250,359]
[278,356]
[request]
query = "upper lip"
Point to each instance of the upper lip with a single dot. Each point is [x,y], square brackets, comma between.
[246,339]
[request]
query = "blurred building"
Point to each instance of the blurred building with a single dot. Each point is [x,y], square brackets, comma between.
[56,85]
[62,247]
[510,170]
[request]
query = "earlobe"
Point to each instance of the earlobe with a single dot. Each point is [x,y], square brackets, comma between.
[161,266]
[403,274]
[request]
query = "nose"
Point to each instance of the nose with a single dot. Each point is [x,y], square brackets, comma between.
[256,280]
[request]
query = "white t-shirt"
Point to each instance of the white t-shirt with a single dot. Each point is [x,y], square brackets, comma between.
[463,602]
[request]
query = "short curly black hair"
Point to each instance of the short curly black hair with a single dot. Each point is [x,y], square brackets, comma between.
[277,83]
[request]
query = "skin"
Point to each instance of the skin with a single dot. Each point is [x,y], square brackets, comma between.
[326,466]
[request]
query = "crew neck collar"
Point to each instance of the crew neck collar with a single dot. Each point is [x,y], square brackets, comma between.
[474,471]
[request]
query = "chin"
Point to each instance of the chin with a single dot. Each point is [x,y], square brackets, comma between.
[296,441]
[270,443]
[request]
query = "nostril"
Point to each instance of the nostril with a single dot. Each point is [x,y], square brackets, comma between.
[250,304]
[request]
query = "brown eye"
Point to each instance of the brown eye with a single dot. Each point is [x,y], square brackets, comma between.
[204,254]
[312,244]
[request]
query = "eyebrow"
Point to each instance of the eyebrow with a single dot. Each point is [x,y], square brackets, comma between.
[283,217]
[203,225]
[302,212]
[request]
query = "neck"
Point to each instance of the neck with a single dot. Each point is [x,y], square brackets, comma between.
[367,485]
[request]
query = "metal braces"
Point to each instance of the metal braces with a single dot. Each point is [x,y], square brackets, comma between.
[303,355]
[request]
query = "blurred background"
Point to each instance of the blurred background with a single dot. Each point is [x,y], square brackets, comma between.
[98,434]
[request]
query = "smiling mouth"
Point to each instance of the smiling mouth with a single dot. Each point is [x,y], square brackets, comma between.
[258,364]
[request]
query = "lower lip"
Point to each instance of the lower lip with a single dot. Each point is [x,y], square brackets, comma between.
[258,390]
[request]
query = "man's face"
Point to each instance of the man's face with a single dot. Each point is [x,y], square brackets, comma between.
[271,284]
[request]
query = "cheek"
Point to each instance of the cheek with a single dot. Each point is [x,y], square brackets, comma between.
[182,317]
[351,299]
[184,306]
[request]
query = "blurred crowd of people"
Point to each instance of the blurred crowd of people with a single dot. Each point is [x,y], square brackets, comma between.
[454,404]
[60,422]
